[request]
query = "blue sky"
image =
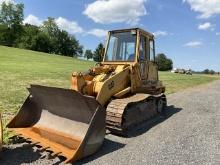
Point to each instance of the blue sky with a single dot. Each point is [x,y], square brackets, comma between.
[187,31]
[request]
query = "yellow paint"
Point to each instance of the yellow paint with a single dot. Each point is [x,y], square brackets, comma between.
[115,78]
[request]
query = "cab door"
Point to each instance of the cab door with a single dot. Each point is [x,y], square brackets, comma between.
[146,59]
[143,57]
[152,66]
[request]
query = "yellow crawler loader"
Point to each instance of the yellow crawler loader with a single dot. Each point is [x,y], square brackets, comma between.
[118,93]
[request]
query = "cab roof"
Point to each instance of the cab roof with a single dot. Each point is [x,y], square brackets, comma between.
[137,29]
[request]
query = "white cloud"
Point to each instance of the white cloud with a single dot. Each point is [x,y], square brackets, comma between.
[7,1]
[71,27]
[116,11]
[160,33]
[206,26]
[33,20]
[98,32]
[207,8]
[193,44]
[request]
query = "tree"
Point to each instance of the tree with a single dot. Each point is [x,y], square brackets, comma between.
[42,43]
[6,36]
[77,48]
[34,39]
[67,45]
[88,54]
[163,62]
[52,30]
[98,53]
[27,40]
[11,16]
[212,72]
[50,27]
[206,71]
[63,43]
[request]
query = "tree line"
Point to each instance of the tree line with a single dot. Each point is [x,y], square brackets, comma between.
[210,71]
[47,38]
[97,55]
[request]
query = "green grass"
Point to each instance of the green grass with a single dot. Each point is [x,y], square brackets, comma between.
[20,68]
[176,82]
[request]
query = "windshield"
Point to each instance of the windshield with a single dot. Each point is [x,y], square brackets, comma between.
[121,47]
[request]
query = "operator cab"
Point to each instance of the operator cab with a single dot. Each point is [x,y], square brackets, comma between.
[132,46]
[129,45]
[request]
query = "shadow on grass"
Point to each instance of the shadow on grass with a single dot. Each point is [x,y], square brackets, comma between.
[145,126]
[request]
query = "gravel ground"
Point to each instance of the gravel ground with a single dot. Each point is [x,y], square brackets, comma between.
[189,134]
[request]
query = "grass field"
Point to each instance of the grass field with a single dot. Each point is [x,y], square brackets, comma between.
[176,82]
[20,68]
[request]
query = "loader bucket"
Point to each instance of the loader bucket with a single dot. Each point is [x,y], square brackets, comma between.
[61,120]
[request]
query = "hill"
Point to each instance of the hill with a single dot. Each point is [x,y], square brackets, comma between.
[20,68]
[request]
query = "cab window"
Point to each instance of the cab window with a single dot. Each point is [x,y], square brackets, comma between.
[142,52]
[152,53]
[121,47]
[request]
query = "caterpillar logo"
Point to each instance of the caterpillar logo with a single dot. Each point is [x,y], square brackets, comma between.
[111,85]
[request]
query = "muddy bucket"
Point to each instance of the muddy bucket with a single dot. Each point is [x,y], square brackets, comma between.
[61,120]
